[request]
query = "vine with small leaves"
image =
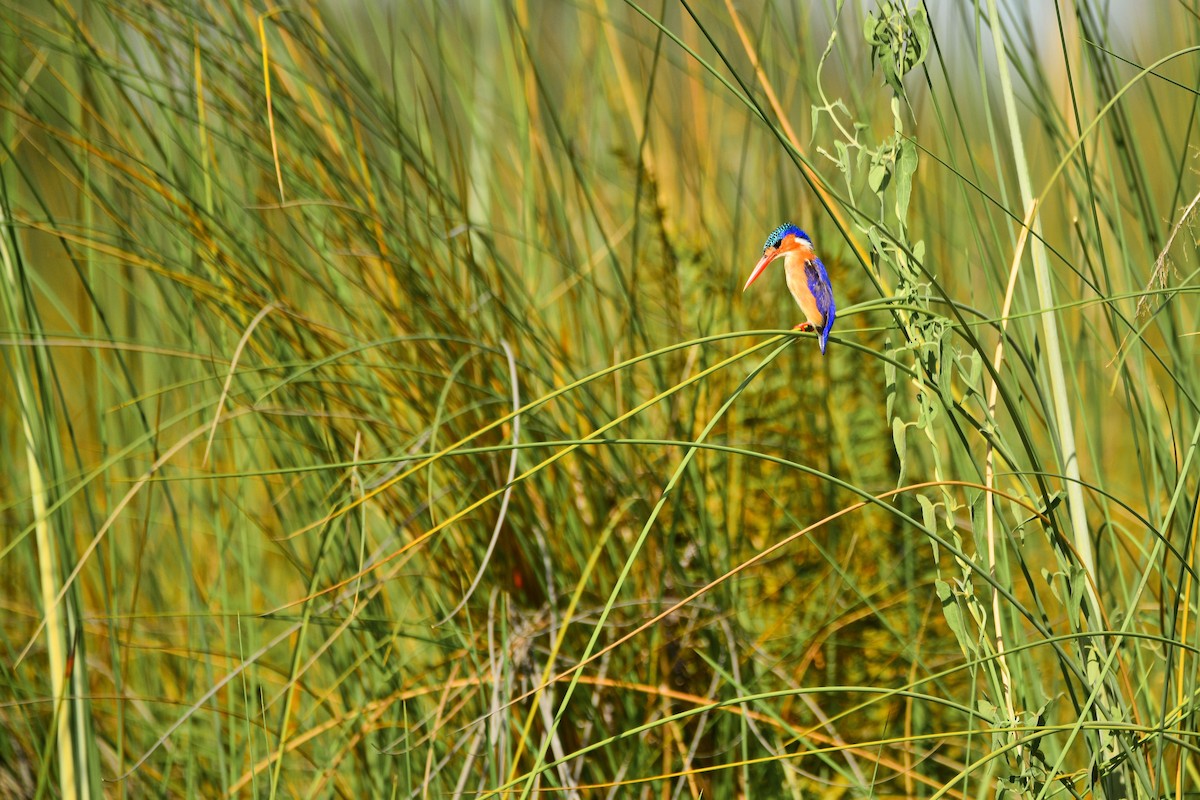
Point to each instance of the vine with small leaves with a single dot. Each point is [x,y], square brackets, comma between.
[882,175]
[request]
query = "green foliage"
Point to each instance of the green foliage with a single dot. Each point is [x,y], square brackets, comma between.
[899,40]
[384,417]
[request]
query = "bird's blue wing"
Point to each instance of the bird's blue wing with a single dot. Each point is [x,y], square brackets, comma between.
[818,284]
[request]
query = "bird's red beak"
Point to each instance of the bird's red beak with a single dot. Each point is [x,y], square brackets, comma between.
[762,264]
[790,245]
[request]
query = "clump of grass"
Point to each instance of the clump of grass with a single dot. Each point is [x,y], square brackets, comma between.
[385,418]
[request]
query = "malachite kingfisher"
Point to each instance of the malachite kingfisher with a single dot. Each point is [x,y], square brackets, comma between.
[807,279]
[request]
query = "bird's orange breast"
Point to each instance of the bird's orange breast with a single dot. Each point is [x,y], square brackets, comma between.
[797,283]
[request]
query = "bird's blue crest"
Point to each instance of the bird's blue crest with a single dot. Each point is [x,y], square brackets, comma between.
[777,235]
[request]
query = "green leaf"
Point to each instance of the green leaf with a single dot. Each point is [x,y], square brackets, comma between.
[919,21]
[877,243]
[906,168]
[954,617]
[889,380]
[900,440]
[877,177]
[1051,579]
[927,409]
[946,378]
[899,41]
[929,519]
[928,512]
[975,372]
[1077,585]
[843,157]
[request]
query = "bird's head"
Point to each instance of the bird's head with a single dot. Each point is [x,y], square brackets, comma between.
[784,240]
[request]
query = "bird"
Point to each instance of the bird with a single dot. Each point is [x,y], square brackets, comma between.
[807,279]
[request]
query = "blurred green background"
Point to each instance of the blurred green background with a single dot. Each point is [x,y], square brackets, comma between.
[384,417]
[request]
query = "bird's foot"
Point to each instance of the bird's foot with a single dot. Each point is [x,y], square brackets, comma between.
[805,326]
